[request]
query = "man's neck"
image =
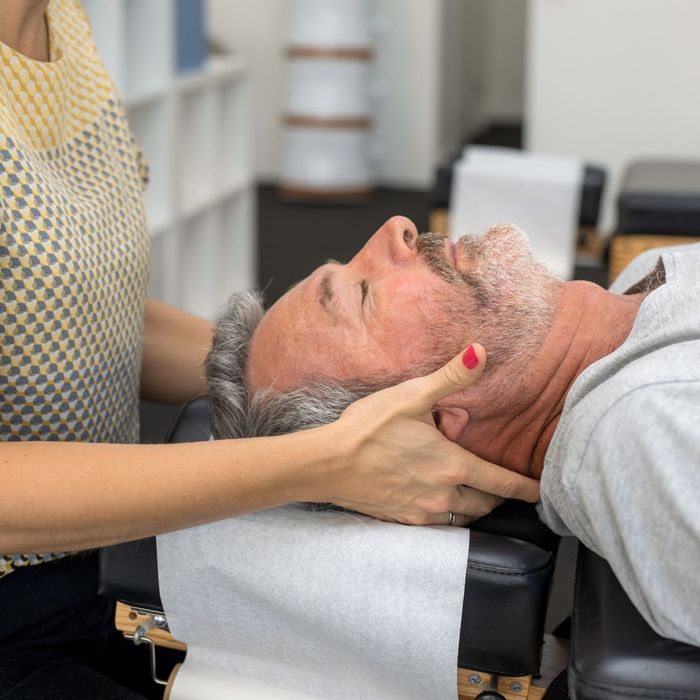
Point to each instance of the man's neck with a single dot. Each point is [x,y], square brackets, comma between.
[513,413]
[23,27]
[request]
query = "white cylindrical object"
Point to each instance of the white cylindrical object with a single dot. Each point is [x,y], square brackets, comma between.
[329,88]
[327,159]
[193,682]
[331,23]
[329,100]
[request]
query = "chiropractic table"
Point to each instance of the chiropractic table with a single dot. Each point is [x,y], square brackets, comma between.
[510,566]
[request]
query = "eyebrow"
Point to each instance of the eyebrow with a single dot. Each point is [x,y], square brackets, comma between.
[326,296]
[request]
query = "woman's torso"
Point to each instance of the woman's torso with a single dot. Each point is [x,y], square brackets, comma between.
[73,245]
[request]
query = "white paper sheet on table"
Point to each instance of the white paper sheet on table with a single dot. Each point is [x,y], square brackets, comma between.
[316,604]
[539,193]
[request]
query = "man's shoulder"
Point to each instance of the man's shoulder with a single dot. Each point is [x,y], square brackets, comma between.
[659,389]
[665,368]
[642,405]
[664,343]
[627,487]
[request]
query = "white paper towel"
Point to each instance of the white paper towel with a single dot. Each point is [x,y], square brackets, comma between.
[322,605]
[539,193]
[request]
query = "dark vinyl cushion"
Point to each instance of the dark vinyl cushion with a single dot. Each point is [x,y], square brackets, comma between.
[660,197]
[520,520]
[505,601]
[615,655]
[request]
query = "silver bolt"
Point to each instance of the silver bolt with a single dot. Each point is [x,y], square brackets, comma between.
[475,679]
[159,621]
[516,686]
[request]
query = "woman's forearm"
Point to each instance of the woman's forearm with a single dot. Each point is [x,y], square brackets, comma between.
[175,344]
[68,496]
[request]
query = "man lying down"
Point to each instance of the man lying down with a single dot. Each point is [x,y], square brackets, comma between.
[595,392]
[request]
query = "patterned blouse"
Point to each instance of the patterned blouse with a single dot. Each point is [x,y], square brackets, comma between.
[74,248]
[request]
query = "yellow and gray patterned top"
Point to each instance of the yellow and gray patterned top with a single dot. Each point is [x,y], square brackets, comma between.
[73,247]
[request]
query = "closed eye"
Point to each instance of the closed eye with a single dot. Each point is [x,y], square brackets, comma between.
[364,288]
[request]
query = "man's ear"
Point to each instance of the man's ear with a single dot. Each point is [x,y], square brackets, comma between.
[450,420]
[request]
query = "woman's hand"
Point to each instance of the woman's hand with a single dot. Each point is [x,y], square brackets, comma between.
[402,469]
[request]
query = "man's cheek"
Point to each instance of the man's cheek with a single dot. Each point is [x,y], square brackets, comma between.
[427,305]
[415,293]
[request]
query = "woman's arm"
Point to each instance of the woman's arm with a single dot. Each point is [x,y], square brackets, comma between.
[175,344]
[383,457]
[68,496]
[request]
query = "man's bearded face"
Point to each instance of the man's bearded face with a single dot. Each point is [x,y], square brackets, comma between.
[403,305]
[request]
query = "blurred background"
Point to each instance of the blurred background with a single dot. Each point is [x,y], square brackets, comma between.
[283,132]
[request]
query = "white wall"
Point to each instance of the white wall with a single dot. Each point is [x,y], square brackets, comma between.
[463,48]
[614,81]
[483,65]
[259,29]
[451,67]
[504,62]
[408,65]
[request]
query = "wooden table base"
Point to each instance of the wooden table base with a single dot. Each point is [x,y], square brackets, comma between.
[470,682]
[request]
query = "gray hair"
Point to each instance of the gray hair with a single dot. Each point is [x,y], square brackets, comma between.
[236,412]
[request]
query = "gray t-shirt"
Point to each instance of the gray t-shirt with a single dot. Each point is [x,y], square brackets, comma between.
[622,472]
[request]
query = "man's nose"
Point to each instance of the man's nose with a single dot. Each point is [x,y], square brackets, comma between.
[396,240]
[395,243]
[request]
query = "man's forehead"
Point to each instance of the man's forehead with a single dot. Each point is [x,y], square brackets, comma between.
[287,344]
[271,353]
[296,339]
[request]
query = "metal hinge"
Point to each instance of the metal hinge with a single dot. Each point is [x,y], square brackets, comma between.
[140,636]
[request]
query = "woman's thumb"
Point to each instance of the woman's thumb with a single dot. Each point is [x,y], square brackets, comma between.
[461,371]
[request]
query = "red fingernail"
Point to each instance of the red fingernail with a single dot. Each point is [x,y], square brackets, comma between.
[470,359]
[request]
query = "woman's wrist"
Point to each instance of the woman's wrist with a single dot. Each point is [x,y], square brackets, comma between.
[328,459]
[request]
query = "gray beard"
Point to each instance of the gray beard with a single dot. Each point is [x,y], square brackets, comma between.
[506,298]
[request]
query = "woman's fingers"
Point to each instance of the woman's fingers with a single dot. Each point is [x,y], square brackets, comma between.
[461,371]
[485,476]
[468,505]
[474,504]
[444,519]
